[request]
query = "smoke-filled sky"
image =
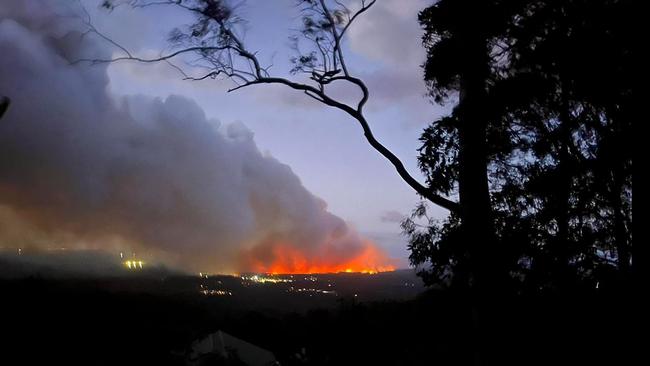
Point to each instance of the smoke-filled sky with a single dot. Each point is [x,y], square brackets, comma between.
[130,156]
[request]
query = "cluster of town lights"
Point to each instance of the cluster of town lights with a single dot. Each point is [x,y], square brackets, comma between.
[263,279]
[133,264]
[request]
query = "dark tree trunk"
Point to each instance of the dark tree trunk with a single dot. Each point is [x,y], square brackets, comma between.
[475,205]
[475,212]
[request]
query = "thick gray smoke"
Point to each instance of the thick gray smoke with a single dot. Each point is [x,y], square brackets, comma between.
[80,169]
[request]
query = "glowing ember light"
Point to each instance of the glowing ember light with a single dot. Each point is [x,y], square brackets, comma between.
[280,258]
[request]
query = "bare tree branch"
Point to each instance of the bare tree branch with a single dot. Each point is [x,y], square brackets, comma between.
[148,60]
[214,39]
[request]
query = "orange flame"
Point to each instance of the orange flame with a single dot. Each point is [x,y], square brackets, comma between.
[280,258]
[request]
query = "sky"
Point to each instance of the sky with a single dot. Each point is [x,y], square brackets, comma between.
[323,147]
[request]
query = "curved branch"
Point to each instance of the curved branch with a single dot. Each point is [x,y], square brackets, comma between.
[383,150]
[151,60]
[403,173]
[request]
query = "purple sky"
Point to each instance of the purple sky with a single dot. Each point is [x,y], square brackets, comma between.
[324,147]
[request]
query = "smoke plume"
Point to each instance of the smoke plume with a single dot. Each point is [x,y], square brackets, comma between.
[81,169]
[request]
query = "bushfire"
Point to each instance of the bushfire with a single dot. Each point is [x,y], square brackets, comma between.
[280,258]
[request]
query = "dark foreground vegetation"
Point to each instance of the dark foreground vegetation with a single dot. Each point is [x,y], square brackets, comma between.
[105,322]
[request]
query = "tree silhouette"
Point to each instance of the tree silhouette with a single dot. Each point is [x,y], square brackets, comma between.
[557,116]
[460,38]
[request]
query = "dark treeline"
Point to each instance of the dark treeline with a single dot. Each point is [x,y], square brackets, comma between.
[537,147]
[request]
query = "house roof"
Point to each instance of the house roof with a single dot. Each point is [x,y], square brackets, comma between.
[226,345]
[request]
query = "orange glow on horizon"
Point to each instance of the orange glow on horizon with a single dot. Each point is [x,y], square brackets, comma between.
[287,259]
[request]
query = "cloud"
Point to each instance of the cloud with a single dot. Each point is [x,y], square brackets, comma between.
[140,173]
[390,33]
